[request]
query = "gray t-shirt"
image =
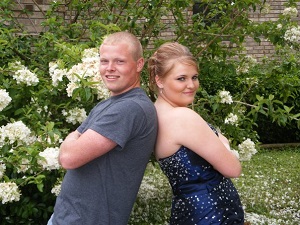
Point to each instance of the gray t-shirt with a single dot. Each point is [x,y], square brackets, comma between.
[103,191]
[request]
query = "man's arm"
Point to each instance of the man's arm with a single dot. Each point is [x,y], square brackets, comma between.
[78,149]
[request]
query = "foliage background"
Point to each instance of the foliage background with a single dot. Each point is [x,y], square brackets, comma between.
[265,95]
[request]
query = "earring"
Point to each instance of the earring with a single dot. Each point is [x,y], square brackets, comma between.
[161,90]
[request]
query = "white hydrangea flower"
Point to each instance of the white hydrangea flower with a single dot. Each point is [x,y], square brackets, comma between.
[15,132]
[225,97]
[2,170]
[9,192]
[250,60]
[23,75]
[5,99]
[102,91]
[56,139]
[251,81]
[242,69]
[266,8]
[71,87]
[76,115]
[246,150]
[87,70]
[50,161]
[76,72]
[292,35]
[24,166]
[291,12]
[232,119]
[90,55]
[247,62]
[56,189]
[56,73]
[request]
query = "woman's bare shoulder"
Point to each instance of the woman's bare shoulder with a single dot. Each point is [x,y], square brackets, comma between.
[183,113]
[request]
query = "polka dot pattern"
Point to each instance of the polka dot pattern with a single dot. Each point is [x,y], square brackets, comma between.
[201,195]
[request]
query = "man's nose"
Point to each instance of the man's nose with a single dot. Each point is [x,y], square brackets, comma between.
[110,66]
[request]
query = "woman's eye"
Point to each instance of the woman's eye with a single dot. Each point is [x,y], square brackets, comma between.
[195,78]
[181,79]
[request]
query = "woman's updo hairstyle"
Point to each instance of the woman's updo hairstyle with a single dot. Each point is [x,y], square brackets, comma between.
[165,57]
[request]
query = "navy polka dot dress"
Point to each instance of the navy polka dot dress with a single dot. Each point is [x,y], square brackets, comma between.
[201,195]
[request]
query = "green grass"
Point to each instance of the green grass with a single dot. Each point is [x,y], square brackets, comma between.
[269,188]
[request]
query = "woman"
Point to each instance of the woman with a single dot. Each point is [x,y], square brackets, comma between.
[196,158]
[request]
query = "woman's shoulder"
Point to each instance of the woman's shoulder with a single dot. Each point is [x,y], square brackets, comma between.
[180,112]
[184,114]
[179,119]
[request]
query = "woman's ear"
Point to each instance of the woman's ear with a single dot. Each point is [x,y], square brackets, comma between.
[159,82]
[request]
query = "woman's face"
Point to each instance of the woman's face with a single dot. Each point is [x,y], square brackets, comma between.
[180,85]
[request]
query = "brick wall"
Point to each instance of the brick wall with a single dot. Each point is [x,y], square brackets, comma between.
[265,48]
[33,20]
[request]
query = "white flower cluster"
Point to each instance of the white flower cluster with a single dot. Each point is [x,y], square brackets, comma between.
[15,132]
[23,75]
[2,170]
[56,73]
[24,166]
[246,64]
[90,55]
[266,8]
[56,189]
[246,150]
[292,35]
[56,139]
[225,97]
[50,159]
[291,12]
[9,192]
[5,99]
[279,26]
[232,119]
[75,115]
[88,70]
[251,81]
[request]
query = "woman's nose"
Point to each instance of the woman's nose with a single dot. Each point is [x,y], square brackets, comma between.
[191,83]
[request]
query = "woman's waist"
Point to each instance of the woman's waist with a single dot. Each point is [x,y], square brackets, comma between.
[199,186]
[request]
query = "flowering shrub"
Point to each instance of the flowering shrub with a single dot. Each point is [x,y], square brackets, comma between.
[9,192]
[48,86]
[29,149]
[5,99]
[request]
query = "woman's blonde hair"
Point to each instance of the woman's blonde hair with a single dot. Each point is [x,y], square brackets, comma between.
[165,57]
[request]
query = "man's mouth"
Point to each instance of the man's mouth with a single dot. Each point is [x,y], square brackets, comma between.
[111,77]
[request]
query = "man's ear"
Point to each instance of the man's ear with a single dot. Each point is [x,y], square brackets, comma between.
[158,82]
[140,64]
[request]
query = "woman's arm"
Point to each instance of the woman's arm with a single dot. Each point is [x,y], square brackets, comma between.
[194,133]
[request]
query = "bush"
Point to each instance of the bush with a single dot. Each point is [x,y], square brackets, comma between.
[49,82]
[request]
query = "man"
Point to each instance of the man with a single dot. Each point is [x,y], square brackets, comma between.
[107,155]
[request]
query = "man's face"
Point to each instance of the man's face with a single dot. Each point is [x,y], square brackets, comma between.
[119,71]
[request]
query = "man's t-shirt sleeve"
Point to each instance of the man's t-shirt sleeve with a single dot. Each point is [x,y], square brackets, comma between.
[119,122]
